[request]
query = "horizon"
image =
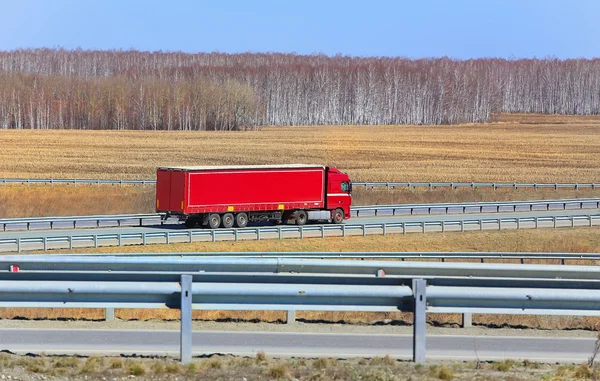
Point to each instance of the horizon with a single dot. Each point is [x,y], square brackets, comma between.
[336,55]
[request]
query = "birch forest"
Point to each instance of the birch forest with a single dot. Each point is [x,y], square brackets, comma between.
[79,89]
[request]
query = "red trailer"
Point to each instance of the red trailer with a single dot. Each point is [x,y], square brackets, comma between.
[227,196]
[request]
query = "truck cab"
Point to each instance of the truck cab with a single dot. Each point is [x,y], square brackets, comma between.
[339,194]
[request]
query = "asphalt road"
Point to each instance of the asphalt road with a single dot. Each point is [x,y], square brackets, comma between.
[205,234]
[114,342]
[352,221]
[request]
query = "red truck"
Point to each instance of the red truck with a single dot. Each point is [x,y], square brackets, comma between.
[227,196]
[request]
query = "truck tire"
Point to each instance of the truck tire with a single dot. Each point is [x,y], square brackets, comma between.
[227,221]
[190,222]
[338,216]
[214,220]
[301,217]
[241,220]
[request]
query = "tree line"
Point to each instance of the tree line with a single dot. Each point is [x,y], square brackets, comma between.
[77,89]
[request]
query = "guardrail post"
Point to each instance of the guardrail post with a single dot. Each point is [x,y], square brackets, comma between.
[443,226]
[18,245]
[279,233]
[554,221]
[185,336]
[109,314]
[144,239]
[290,317]
[190,236]
[364,230]
[467,320]
[404,228]
[536,223]
[499,224]
[301,232]
[383,227]
[590,218]
[423,226]
[258,234]
[462,225]
[45,243]
[120,240]
[322,231]
[343,230]
[419,319]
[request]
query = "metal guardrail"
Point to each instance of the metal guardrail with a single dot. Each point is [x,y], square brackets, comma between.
[285,283]
[475,185]
[373,210]
[282,232]
[480,207]
[441,256]
[366,185]
[75,182]
[73,221]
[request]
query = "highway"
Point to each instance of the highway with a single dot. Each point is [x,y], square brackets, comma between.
[286,344]
[156,234]
[355,220]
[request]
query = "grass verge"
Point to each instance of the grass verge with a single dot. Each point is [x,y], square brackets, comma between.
[30,368]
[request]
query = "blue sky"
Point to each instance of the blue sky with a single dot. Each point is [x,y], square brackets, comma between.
[420,28]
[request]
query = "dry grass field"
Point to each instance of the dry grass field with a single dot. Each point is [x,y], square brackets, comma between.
[532,148]
[263,367]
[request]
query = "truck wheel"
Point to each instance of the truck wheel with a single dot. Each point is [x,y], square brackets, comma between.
[214,220]
[190,223]
[241,220]
[301,217]
[227,221]
[338,216]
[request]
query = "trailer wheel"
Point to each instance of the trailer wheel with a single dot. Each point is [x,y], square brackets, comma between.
[190,223]
[338,216]
[227,221]
[241,220]
[214,220]
[301,217]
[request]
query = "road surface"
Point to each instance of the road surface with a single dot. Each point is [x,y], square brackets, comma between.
[287,344]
